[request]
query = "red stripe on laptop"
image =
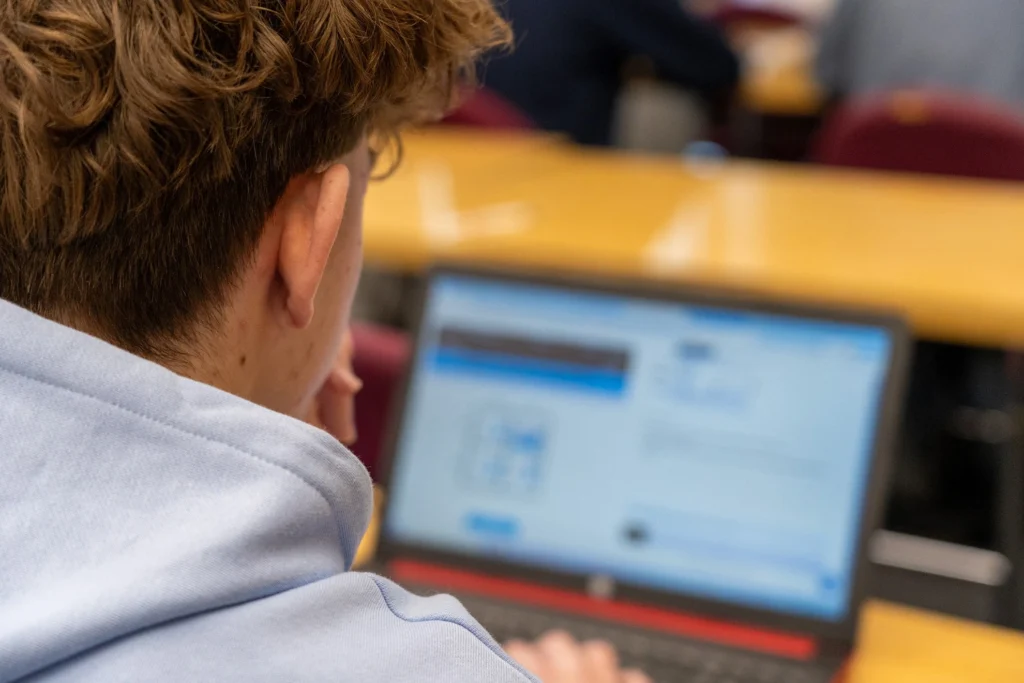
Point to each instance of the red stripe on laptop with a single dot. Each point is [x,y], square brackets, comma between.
[781,644]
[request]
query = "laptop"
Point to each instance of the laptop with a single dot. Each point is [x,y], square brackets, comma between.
[692,477]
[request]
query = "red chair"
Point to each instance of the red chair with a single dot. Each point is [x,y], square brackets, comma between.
[738,15]
[485,108]
[380,359]
[926,132]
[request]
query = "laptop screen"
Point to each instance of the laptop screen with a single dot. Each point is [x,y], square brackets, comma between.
[715,452]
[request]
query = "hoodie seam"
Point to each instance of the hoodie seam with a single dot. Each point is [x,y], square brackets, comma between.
[181,430]
[455,621]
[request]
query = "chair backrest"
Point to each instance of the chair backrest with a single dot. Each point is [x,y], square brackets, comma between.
[380,359]
[739,15]
[926,132]
[485,108]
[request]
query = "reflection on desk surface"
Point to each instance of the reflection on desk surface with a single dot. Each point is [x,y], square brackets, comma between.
[945,252]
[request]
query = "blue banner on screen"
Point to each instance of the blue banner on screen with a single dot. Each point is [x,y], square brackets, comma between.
[720,453]
[569,367]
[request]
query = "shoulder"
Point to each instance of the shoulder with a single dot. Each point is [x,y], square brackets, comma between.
[352,627]
[441,636]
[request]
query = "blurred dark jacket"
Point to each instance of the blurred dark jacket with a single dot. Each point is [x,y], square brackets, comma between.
[970,46]
[567,68]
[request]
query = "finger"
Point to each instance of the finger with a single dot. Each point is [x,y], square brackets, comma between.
[601,662]
[527,656]
[342,377]
[337,412]
[562,656]
[337,396]
[342,374]
[517,645]
[635,676]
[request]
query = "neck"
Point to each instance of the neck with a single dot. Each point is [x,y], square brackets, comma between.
[213,359]
[225,358]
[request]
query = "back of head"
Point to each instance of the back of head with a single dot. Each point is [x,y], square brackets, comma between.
[144,142]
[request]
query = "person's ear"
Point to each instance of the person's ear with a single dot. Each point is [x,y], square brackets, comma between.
[311,212]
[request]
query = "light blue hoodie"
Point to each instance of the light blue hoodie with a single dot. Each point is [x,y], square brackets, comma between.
[156,529]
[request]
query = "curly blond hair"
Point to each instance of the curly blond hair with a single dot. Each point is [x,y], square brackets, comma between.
[144,142]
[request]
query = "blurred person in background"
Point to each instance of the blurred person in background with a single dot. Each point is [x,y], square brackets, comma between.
[970,46]
[567,69]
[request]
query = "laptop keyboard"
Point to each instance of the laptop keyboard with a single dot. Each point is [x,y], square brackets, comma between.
[664,659]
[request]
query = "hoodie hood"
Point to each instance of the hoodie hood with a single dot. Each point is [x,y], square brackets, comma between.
[131,497]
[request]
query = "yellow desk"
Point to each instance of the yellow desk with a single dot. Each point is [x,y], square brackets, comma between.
[902,645]
[778,72]
[948,253]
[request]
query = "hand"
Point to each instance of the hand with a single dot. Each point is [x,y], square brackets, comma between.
[334,408]
[558,658]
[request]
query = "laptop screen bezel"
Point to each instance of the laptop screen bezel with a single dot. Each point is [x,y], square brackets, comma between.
[889,412]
